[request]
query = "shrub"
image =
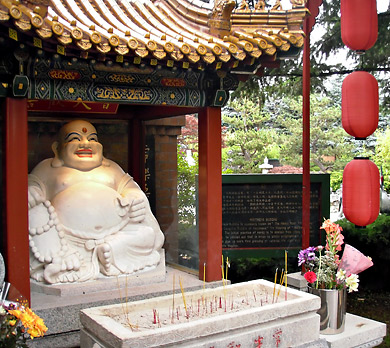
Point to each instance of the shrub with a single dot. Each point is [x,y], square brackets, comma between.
[246,269]
[336,178]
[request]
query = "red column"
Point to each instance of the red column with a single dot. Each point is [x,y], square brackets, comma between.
[16,204]
[306,139]
[210,193]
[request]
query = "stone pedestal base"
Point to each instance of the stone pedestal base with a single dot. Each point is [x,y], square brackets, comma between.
[147,276]
[359,333]
[297,281]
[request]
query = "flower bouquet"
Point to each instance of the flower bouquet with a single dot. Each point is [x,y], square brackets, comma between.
[323,267]
[17,321]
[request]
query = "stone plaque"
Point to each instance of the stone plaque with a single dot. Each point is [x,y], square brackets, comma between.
[268,215]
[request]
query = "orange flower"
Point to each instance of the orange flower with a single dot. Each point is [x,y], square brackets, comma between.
[32,322]
[15,312]
[334,238]
[328,226]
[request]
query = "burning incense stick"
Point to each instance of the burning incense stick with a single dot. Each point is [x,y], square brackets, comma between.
[173,298]
[273,295]
[285,261]
[183,295]
[224,280]
[223,275]
[227,266]
[282,276]
[204,275]
[125,304]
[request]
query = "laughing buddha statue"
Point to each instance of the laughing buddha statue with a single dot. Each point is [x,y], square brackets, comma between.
[87,218]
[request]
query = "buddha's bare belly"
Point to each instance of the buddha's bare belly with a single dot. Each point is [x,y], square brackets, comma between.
[91,210]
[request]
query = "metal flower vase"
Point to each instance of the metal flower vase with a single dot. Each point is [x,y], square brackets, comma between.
[333,309]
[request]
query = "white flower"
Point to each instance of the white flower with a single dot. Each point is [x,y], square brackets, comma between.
[352,282]
[341,274]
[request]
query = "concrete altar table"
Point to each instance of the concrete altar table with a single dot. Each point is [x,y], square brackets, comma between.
[255,318]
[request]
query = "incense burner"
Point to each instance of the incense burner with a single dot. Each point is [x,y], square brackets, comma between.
[251,314]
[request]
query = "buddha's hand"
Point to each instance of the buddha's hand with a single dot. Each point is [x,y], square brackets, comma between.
[137,211]
[35,196]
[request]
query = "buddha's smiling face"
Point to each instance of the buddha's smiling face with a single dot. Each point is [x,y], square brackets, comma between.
[79,147]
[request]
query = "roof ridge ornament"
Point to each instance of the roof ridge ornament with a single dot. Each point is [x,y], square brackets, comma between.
[298,3]
[277,6]
[243,7]
[219,21]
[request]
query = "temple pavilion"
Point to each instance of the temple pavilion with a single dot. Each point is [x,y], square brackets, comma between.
[132,63]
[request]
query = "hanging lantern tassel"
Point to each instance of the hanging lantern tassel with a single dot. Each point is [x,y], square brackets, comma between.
[361,191]
[359,24]
[360,104]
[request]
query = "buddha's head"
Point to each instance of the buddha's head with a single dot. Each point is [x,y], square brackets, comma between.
[78,147]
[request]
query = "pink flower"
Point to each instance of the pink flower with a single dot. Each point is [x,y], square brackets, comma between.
[337,259]
[339,241]
[330,226]
[310,276]
[334,238]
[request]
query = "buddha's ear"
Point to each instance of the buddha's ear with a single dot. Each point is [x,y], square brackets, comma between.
[56,162]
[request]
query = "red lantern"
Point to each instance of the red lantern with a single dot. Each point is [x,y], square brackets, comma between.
[361,191]
[359,24]
[360,104]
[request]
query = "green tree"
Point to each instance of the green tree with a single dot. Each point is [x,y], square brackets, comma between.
[382,156]
[186,188]
[375,60]
[329,146]
[187,184]
[275,130]
[247,139]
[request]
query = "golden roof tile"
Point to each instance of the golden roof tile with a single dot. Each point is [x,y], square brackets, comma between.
[194,32]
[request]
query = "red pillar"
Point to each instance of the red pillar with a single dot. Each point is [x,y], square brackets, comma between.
[16,205]
[306,139]
[210,193]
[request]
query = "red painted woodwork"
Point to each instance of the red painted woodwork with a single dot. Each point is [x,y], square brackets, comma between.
[76,107]
[314,8]
[359,24]
[210,193]
[361,194]
[360,104]
[16,184]
[306,137]
[150,112]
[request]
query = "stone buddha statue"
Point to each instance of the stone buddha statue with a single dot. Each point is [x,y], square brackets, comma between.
[87,218]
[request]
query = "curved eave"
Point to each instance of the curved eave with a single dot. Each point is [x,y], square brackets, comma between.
[168,32]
